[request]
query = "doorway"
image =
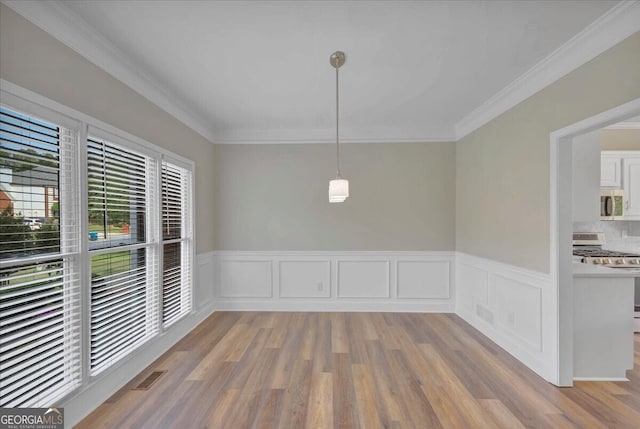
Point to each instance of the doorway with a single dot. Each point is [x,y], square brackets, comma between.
[561,228]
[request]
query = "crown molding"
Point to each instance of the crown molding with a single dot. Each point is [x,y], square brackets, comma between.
[311,136]
[63,24]
[617,24]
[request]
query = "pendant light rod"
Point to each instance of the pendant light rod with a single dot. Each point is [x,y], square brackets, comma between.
[337,125]
[337,60]
[339,187]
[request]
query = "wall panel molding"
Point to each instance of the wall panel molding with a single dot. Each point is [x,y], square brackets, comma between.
[334,281]
[412,275]
[507,304]
[364,278]
[250,278]
[304,278]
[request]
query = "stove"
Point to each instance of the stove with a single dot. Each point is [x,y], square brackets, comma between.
[588,246]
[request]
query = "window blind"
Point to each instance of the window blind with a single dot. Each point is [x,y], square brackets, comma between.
[40,354]
[176,234]
[120,317]
[137,254]
[124,296]
[117,194]
[39,280]
[29,185]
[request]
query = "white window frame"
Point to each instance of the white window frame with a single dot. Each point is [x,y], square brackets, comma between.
[69,239]
[17,98]
[186,236]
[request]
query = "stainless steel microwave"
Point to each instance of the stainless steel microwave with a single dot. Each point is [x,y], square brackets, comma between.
[611,204]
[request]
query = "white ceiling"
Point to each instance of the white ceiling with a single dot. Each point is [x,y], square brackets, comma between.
[259,70]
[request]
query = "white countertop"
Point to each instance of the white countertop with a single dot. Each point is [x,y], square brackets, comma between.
[589,270]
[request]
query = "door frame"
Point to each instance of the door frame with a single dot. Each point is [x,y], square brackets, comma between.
[561,227]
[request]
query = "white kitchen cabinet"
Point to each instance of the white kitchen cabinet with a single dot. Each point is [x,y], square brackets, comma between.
[602,322]
[621,170]
[631,186]
[610,170]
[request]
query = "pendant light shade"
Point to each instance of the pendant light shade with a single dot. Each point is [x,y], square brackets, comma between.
[338,190]
[339,187]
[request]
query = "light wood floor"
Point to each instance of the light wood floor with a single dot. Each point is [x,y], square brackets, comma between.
[356,370]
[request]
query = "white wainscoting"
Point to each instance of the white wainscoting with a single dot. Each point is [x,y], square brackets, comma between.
[334,281]
[509,305]
[205,269]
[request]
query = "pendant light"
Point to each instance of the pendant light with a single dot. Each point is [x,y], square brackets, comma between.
[339,187]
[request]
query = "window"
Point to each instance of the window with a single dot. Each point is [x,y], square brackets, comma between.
[124,295]
[96,246]
[39,270]
[176,242]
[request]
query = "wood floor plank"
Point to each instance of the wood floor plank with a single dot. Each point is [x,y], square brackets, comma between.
[357,336]
[320,407]
[281,371]
[220,352]
[622,410]
[364,324]
[321,357]
[356,370]
[251,395]
[280,331]
[385,384]
[472,411]
[418,411]
[188,408]
[252,356]
[345,414]
[222,409]
[311,332]
[364,386]
[339,341]
[502,417]
[242,341]
[294,403]
[268,410]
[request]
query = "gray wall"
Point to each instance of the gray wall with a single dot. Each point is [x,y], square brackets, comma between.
[274,197]
[502,181]
[36,61]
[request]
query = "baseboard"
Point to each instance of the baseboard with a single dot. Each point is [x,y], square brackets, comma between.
[335,281]
[600,379]
[333,306]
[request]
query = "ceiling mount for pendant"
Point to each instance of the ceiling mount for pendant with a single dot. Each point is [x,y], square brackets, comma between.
[337,59]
